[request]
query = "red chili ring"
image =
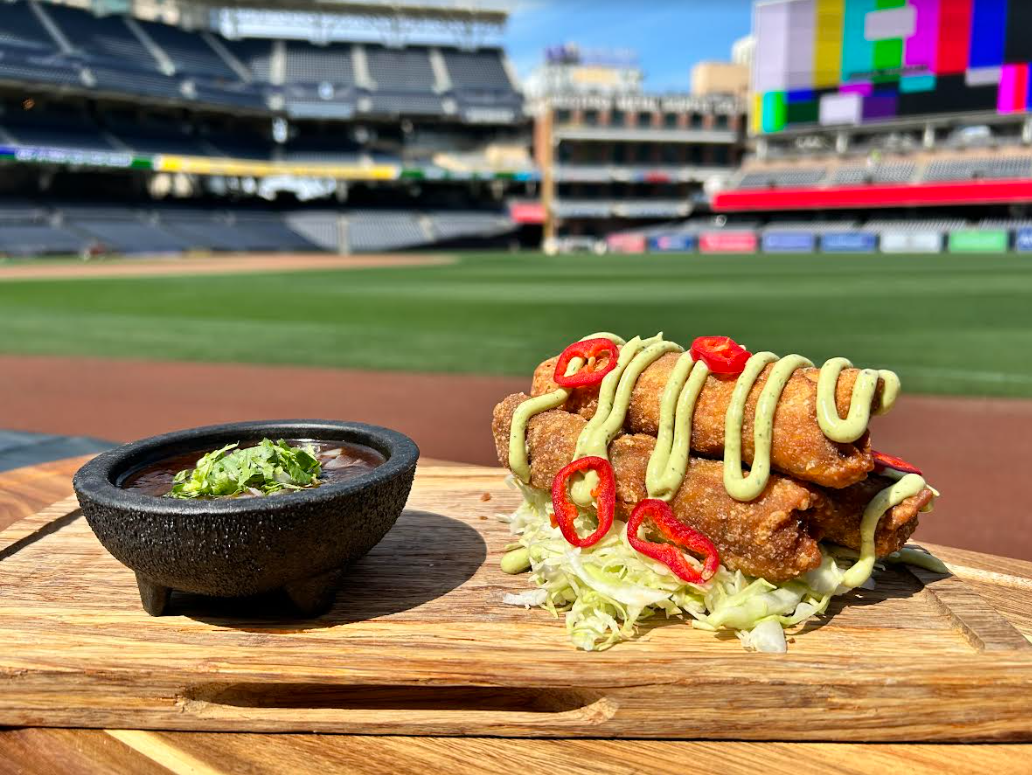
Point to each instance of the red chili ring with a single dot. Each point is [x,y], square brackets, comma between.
[721,354]
[586,375]
[678,533]
[604,495]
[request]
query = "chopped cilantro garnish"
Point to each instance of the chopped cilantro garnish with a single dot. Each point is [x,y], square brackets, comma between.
[268,468]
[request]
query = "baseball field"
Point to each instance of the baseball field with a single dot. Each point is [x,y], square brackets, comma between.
[429,344]
[948,324]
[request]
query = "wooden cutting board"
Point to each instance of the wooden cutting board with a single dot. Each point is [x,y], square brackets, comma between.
[419,642]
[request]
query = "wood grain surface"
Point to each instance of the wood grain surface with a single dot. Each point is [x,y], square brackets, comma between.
[419,642]
[1006,584]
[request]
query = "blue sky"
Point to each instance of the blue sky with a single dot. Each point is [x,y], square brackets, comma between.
[669,35]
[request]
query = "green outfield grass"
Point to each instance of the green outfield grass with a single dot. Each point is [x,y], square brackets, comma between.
[946,323]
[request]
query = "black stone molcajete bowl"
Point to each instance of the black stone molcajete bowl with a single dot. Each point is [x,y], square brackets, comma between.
[299,542]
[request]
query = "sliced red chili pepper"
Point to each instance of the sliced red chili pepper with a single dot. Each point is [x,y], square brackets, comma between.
[604,495]
[678,533]
[883,461]
[722,354]
[590,373]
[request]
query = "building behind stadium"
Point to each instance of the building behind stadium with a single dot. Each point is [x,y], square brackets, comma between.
[901,127]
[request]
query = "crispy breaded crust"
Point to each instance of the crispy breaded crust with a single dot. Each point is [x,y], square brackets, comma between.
[837,517]
[765,537]
[774,536]
[799,447]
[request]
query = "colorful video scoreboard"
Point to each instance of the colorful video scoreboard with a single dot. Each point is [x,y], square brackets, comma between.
[853,62]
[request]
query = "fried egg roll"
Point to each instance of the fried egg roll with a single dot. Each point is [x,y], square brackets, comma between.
[764,537]
[774,536]
[799,447]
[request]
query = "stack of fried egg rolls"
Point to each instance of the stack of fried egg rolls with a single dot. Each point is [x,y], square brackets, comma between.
[817,492]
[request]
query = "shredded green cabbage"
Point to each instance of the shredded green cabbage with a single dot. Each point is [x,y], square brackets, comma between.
[604,591]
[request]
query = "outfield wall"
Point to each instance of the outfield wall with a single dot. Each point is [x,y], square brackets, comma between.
[889,241]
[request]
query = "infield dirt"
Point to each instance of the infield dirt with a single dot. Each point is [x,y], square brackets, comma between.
[222,264]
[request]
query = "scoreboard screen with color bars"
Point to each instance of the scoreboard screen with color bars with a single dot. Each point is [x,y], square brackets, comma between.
[851,62]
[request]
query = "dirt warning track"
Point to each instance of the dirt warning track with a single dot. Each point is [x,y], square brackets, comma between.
[971,449]
[210,265]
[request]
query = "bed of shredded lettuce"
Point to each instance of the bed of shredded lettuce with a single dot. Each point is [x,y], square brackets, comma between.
[606,590]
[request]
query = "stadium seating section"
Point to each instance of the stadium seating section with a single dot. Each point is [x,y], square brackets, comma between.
[29,229]
[993,167]
[115,55]
[902,172]
[925,167]
[786,178]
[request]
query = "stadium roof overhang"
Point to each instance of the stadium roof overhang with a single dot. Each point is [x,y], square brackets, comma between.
[493,12]
[897,195]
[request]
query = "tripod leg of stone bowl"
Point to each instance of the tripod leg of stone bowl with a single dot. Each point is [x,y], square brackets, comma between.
[153,596]
[314,596]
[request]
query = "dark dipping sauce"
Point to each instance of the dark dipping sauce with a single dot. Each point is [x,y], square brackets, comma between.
[353,460]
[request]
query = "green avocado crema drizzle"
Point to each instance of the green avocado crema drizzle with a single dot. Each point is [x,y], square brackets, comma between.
[518,463]
[853,425]
[668,464]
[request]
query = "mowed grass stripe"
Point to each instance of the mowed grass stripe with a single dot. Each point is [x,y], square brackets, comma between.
[948,324]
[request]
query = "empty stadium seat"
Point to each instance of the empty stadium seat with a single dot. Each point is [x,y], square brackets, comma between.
[815,227]
[255,55]
[990,167]
[269,232]
[231,93]
[939,224]
[20,28]
[150,84]
[307,63]
[40,67]
[406,69]
[372,232]
[895,172]
[787,178]
[477,70]
[28,239]
[410,103]
[188,51]
[202,230]
[58,126]
[102,37]
[124,233]
[319,228]
[456,225]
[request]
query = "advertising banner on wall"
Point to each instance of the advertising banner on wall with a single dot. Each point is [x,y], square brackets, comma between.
[728,242]
[626,243]
[849,242]
[911,242]
[979,241]
[789,242]
[1023,240]
[672,243]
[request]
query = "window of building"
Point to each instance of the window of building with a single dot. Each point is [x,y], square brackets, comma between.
[645,119]
[671,154]
[562,116]
[720,155]
[591,117]
[670,120]
[620,153]
[696,121]
[616,117]
[720,122]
